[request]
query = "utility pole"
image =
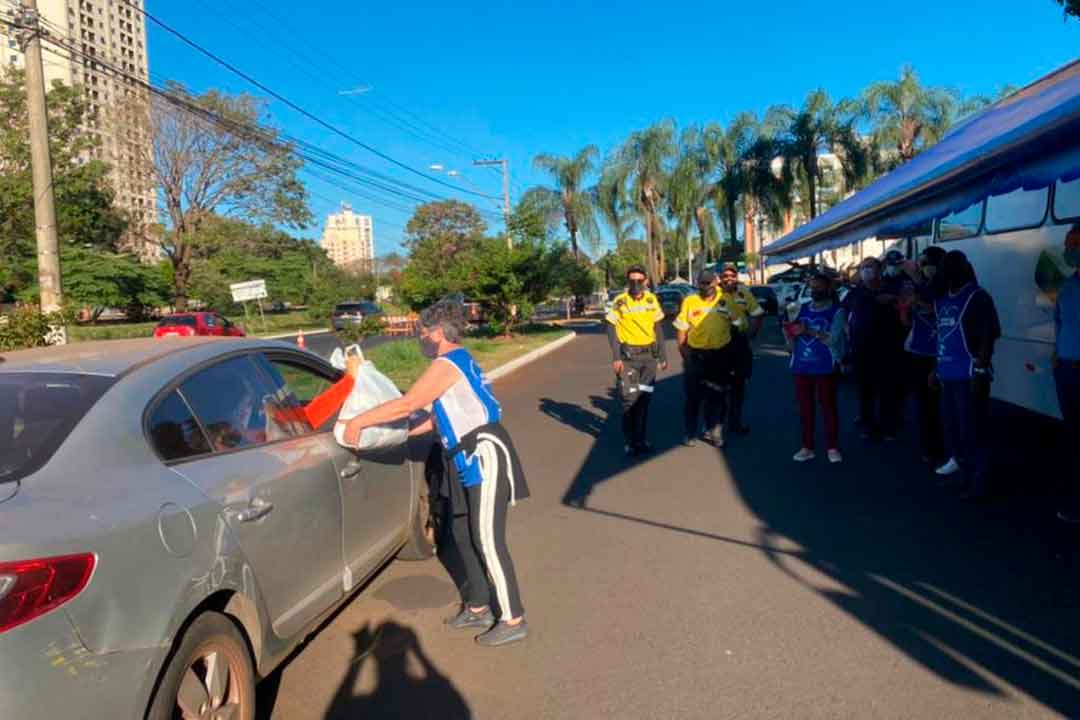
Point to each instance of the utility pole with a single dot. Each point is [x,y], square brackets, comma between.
[505,165]
[44,202]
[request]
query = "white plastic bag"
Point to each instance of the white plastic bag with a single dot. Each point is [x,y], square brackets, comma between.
[372,388]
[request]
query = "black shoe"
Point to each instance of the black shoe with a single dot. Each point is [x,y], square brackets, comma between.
[468,619]
[630,450]
[643,448]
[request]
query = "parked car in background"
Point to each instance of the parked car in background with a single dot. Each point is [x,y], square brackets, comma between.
[172,527]
[197,324]
[766,298]
[353,313]
[671,298]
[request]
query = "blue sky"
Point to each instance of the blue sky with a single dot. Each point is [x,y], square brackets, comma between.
[447,80]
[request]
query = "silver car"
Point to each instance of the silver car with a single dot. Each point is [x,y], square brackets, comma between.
[171,526]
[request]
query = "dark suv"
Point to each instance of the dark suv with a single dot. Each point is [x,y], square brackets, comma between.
[353,313]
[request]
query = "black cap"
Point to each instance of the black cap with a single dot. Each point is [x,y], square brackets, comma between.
[729,266]
[636,269]
[706,277]
[894,257]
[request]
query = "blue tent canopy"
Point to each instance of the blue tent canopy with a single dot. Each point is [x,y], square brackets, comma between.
[1029,140]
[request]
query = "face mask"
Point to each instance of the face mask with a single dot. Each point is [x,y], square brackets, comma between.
[819,295]
[707,292]
[868,275]
[1072,257]
[637,287]
[429,348]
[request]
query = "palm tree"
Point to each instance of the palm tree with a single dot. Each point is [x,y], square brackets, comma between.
[909,117]
[819,128]
[728,147]
[646,155]
[690,190]
[569,201]
[766,192]
[613,202]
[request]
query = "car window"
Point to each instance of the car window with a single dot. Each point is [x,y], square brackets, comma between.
[211,320]
[37,413]
[1067,200]
[232,400]
[961,224]
[174,432]
[1016,210]
[178,320]
[296,386]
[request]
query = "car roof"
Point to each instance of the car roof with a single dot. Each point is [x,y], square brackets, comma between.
[114,357]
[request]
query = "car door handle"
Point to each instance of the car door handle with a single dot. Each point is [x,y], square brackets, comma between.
[351,470]
[256,509]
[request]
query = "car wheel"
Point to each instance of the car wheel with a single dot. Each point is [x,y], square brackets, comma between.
[210,676]
[426,526]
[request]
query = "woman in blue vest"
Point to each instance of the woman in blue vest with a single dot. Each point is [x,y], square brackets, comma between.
[816,348]
[967,329]
[922,349]
[485,473]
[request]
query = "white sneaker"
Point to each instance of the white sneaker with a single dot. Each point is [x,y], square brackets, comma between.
[803,455]
[835,456]
[949,468]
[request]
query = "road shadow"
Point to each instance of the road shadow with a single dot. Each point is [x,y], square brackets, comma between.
[984,597]
[407,683]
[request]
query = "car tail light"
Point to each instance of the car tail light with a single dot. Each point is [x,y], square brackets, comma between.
[31,588]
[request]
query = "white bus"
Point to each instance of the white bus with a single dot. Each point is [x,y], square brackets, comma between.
[1003,187]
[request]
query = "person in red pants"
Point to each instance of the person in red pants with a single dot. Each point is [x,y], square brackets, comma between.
[816,341]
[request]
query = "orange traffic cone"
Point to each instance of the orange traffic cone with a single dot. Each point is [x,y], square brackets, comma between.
[300,340]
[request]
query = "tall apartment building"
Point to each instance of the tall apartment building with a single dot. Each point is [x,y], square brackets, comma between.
[349,239]
[110,37]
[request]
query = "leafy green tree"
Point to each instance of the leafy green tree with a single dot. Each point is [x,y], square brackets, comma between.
[907,116]
[437,236]
[690,189]
[234,166]
[613,203]
[1071,7]
[817,128]
[85,211]
[569,201]
[98,280]
[646,157]
[727,148]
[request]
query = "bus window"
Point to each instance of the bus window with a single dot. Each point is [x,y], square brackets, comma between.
[1016,210]
[962,224]
[1067,200]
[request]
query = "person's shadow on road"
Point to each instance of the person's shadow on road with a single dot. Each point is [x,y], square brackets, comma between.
[407,684]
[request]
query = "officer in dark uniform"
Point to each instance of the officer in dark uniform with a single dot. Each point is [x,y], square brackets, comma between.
[637,348]
[747,319]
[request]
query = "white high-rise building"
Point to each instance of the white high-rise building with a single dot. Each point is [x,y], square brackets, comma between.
[110,39]
[349,239]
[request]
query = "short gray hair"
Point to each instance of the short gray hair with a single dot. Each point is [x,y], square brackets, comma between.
[448,314]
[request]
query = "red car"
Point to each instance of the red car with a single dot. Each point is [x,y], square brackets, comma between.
[196,323]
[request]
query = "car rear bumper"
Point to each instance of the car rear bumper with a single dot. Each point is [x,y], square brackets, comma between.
[46,672]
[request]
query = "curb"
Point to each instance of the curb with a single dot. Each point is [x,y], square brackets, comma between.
[517,363]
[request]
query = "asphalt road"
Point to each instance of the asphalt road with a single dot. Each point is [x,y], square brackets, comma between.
[709,584]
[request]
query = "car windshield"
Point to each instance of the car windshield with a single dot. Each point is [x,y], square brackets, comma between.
[37,413]
[352,308]
[178,320]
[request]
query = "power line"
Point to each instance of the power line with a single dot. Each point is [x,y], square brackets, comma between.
[278,96]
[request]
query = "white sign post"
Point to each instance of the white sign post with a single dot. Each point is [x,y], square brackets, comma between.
[251,290]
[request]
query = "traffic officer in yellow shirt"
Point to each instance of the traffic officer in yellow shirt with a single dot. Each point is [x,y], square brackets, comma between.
[704,330]
[748,318]
[637,348]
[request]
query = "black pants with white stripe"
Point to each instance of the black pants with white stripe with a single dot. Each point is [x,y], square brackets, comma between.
[479,531]
[635,387]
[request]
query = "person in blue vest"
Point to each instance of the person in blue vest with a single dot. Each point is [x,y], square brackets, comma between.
[816,340]
[485,474]
[968,327]
[1066,363]
[922,349]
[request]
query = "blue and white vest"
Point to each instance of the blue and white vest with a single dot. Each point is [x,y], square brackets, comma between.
[810,356]
[955,360]
[468,405]
[923,338]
